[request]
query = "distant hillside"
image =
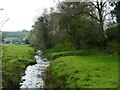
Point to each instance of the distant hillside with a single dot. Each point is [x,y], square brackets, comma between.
[18,35]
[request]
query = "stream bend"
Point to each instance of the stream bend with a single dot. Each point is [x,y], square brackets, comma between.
[34,74]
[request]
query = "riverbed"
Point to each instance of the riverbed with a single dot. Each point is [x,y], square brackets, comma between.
[34,74]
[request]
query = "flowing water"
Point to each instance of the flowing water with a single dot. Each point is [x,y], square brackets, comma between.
[34,74]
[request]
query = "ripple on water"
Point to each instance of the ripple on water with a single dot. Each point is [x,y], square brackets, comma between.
[34,74]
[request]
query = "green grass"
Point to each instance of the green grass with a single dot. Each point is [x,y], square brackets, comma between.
[54,55]
[68,50]
[84,68]
[94,71]
[15,59]
[19,50]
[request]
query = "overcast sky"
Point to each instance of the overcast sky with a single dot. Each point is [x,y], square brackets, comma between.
[22,13]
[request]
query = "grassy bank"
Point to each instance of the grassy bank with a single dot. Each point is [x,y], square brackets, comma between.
[14,61]
[83,72]
[85,68]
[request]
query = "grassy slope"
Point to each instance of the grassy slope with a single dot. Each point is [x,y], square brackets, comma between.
[15,60]
[85,71]
[82,68]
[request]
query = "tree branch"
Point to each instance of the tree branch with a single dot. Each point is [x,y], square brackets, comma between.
[92,16]
[61,5]
[93,4]
[103,4]
[4,23]
[86,13]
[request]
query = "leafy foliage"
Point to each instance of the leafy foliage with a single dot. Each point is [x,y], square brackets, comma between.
[81,24]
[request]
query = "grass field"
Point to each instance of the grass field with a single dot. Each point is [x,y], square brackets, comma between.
[23,51]
[14,61]
[93,71]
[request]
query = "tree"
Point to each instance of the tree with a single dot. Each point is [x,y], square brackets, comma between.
[116,13]
[100,8]
[75,24]
[41,31]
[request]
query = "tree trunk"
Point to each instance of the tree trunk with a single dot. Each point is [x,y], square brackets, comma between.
[103,39]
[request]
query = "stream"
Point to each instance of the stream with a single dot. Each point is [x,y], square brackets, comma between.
[34,74]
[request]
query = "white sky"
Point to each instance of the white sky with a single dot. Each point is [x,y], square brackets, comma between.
[22,13]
